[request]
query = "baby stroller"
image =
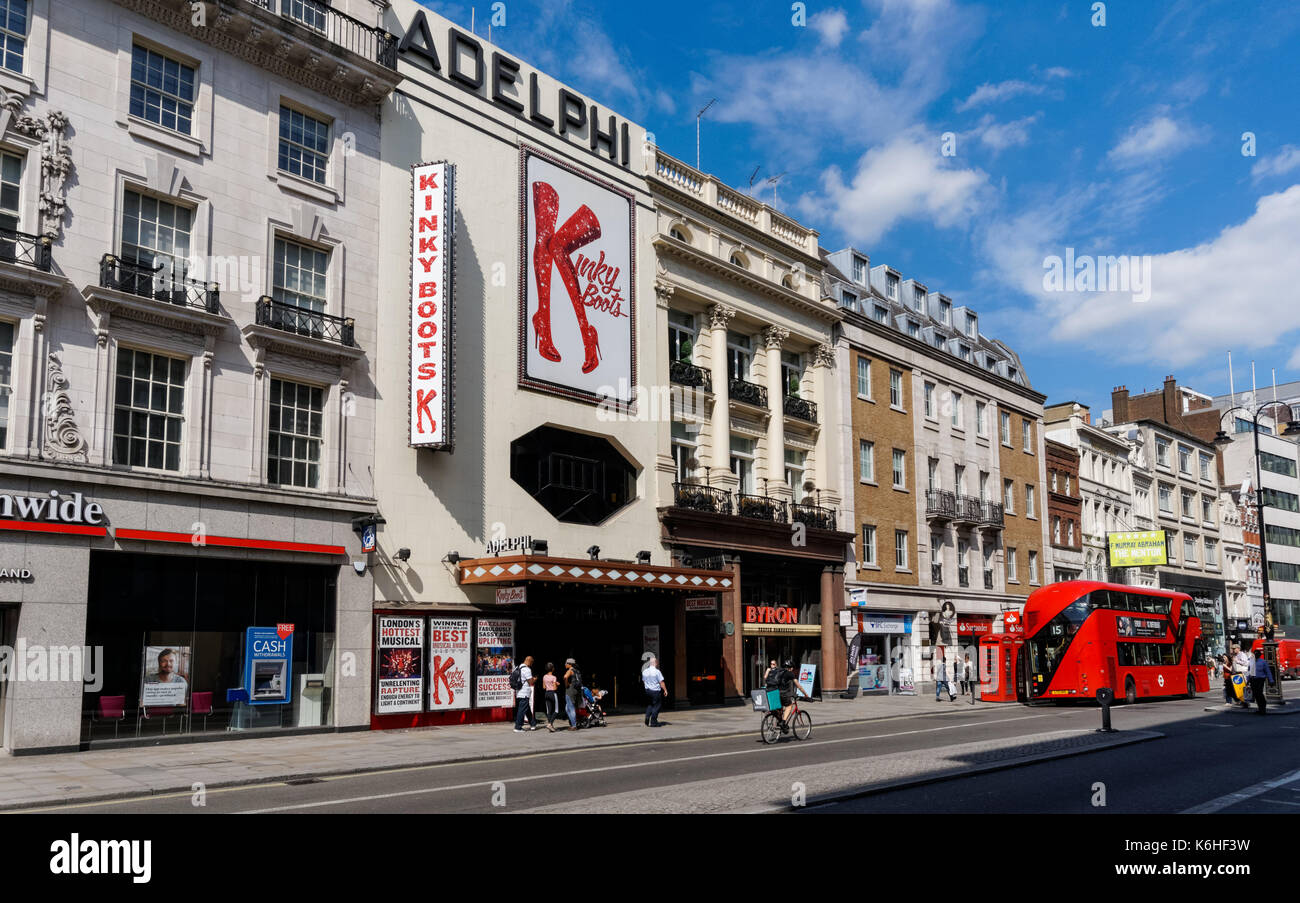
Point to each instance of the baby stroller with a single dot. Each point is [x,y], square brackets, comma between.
[591,714]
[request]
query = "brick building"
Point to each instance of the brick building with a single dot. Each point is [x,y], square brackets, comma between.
[1064,510]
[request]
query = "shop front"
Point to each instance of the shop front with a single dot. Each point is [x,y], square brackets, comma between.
[1207,604]
[880,641]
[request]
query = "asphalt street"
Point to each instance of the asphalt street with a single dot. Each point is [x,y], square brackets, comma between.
[1189,758]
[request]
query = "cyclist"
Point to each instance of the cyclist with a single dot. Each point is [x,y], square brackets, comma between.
[784,680]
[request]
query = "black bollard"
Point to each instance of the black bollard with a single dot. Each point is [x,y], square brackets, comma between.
[1105,696]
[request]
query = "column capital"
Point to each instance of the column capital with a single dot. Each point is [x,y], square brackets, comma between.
[775,336]
[824,356]
[663,292]
[720,315]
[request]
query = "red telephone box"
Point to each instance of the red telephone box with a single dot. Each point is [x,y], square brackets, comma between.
[1000,665]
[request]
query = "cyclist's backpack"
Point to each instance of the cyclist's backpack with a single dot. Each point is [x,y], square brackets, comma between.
[775,679]
[516,679]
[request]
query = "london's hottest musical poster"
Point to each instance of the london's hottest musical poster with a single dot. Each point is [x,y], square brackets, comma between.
[578,309]
[400,662]
[449,661]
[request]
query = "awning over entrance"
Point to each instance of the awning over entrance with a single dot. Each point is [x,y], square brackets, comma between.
[512,570]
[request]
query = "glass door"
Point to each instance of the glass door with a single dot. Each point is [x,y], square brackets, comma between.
[8,628]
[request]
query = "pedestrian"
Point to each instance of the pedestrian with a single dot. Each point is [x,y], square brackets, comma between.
[1225,671]
[958,677]
[972,676]
[1241,665]
[1261,672]
[655,688]
[771,666]
[572,692]
[941,677]
[550,687]
[894,665]
[524,697]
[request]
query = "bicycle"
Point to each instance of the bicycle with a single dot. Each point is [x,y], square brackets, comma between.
[800,724]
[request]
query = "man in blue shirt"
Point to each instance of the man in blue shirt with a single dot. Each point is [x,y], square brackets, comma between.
[655,688]
[1260,672]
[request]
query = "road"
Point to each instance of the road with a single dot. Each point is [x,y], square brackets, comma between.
[1200,757]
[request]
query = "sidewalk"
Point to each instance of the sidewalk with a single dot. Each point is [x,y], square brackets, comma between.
[110,774]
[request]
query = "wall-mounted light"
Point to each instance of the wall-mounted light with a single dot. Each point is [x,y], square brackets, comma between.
[642,557]
[594,552]
[405,555]
[452,557]
[539,547]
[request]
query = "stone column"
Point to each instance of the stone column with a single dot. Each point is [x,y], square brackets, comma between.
[773,338]
[733,647]
[835,652]
[678,686]
[824,387]
[720,460]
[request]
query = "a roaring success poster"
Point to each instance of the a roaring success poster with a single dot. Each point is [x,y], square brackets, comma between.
[494,659]
[400,660]
[577,313]
[449,663]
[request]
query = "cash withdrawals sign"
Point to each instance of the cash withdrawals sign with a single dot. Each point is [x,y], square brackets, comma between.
[1139,549]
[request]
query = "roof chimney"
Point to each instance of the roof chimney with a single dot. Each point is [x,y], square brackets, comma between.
[1169,399]
[1119,403]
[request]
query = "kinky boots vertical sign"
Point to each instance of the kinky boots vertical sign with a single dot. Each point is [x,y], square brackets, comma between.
[433,225]
[577,310]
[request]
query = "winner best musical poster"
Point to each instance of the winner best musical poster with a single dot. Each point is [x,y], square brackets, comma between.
[577,310]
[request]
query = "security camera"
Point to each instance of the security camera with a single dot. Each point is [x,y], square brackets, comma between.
[359,567]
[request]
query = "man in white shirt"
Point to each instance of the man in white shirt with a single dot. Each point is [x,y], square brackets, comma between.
[655,688]
[1241,664]
[524,697]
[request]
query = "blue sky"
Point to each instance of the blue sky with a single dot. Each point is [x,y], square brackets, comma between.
[1123,139]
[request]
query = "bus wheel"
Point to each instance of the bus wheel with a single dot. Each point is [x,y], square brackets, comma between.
[1130,692]
[1191,688]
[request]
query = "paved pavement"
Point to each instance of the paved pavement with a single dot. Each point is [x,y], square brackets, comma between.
[116,773]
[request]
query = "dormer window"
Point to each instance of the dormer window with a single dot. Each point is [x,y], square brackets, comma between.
[849,300]
[913,328]
[963,351]
[891,286]
[945,313]
[918,298]
[972,327]
[881,313]
[859,270]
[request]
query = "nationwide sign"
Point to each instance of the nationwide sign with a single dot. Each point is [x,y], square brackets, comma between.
[433,224]
[1140,549]
[53,508]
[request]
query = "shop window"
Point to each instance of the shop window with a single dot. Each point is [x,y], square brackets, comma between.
[579,479]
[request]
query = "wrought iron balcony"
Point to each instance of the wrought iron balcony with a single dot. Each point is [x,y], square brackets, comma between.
[28,250]
[940,504]
[969,510]
[813,516]
[800,408]
[301,321]
[685,373]
[749,393]
[701,498]
[992,516]
[145,281]
[761,507]
[339,29]
[936,574]
[963,576]
[988,578]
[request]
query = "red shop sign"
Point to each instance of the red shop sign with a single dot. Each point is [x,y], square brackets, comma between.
[766,614]
[974,626]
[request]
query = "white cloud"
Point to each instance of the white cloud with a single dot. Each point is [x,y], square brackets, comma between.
[1285,160]
[831,24]
[907,178]
[1161,135]
[1233,291]
[998,136]
[990,93]
[1058,72]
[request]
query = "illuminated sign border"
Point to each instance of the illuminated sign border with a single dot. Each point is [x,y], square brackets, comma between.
[1148,558]
[443,318]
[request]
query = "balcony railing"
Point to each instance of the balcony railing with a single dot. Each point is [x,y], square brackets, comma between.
[29,250]
[969,509]
[936,574]
[940,503]
[991,515]
[739,390]
[988,578]
[701,498]
[761,507]
[800,408]
[687,374]
[813,516]
[301,321]
[146,281]
[963,576]
[351,34]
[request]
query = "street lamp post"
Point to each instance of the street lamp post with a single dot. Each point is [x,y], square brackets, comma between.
[1273,693]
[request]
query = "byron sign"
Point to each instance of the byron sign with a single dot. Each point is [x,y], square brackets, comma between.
[432,329]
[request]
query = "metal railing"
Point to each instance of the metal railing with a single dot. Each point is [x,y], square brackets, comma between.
[969,509]
[687,374]
[29,250]
[992,515]
[988,578]
[340,29]
[145,281]
[701,498]
[940,503]
[813,516]
[963,576]
[761,507]
[739,390]
[301,321]
[800,408]
[936,574]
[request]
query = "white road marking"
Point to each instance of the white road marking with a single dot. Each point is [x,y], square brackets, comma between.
[1231,799]
[585,771]
[1279,802]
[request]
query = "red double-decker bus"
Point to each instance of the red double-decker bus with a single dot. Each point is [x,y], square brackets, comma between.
[1082,635]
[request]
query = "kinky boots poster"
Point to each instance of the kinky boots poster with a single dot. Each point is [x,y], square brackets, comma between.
[577,311]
